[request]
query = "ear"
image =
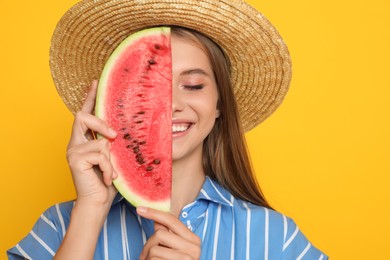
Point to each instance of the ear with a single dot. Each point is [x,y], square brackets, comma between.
[217,113]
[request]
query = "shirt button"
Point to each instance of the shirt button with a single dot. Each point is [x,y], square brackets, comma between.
[184,214]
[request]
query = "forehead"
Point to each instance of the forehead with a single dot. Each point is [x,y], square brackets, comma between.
[188,53]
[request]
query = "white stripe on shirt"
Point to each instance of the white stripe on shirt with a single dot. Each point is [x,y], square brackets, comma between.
[304,252]
[205,224]
[48,222]
[105,240]
[248,230]
[216,234]
[266,234]
[24,254]
[205,194]
[125,249]
[291,238]
[219,193]
[40,241]
[233,231]
[143,231]
[61,219]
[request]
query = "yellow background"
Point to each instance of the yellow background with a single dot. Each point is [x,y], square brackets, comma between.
[322,158]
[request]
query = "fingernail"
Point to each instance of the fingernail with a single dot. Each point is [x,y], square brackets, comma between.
[111,131]
[141,209]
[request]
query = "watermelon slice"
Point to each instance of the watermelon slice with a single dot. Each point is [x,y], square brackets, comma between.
[135,98]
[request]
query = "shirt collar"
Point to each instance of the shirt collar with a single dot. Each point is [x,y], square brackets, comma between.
[210,191]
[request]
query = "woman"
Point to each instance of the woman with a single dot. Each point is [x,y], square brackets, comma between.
[217,209]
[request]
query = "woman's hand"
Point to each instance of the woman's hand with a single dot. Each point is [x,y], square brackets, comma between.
[171,240]
[89,159]
[92,172]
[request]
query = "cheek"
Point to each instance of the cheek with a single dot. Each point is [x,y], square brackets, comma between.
[206,106]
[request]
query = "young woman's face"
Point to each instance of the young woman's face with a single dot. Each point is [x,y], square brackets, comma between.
[195,96]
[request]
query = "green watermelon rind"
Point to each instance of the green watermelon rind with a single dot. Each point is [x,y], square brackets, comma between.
[134,198]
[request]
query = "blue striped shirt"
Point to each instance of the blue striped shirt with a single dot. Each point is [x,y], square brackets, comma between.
[228,227]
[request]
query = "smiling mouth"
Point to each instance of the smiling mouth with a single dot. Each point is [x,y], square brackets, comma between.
[179,128]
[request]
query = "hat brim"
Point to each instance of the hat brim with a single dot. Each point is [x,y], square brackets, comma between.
[89,32]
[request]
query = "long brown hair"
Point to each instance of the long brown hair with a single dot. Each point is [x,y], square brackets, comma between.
[225,155]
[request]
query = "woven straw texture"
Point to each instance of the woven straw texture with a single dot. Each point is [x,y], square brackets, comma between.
[89,32]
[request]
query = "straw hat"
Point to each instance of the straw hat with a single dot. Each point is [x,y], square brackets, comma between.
[88,33]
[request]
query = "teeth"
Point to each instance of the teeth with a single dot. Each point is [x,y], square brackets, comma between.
[179,128]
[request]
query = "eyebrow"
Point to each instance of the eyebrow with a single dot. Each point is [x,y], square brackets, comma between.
[194,71]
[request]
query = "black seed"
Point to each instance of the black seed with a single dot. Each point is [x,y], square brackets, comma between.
[135,141]
[130,146]
[123,129]
[142,143]
[141,95]
[139,122]
[156,161]
[151,62]
[140,160]
[141,112]
[149,168]
[136,149]
[127,136]
[157,47]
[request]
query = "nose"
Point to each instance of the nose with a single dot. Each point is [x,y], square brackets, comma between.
[177,100]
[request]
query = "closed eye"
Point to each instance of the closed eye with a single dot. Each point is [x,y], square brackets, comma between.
[193,87]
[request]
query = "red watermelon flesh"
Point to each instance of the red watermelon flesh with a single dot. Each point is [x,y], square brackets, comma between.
[135,99]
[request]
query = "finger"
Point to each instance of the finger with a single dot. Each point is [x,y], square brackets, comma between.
[160,252]
[86,162]
[168,220]
[89,102]
[94,146]
[170,240]
[158,226]
[85,121]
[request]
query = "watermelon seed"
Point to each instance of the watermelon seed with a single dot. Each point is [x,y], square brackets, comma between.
[140,159]
[152,62]
[139,122]
[130,146]
[127,136]
[156,161]
[157,47]
[142,143]
[123,129]
[126,69]
[120,106]
[149,168]
[141,95]
[141,112]
[121,115]
[136,149]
